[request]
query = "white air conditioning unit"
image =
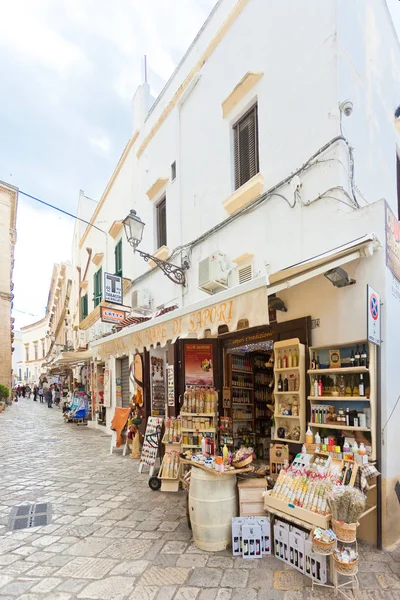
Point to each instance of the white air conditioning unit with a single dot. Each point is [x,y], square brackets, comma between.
[141,302]
[213,273]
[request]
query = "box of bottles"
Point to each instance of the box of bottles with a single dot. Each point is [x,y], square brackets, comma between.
[281,541]
[240,533]
[252,542]
[315,564]
[237,541]
[296,550]
[265,525]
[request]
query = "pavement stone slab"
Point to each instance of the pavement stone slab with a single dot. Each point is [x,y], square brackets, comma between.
[203,577]
[86,568]
[111,588]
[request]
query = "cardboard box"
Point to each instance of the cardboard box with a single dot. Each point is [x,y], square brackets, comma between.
[296,550]
[315,564]
[265,525]
[281,541]
[251,534]
[237,542]
[278,454]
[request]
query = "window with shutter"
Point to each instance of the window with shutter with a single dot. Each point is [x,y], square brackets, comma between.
[118,258]
[162,223]
[245,146]
[84,307]
[98,287]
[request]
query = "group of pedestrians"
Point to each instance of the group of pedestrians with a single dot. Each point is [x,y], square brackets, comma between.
[50,394]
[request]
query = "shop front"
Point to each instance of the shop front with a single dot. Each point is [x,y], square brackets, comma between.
[242,371]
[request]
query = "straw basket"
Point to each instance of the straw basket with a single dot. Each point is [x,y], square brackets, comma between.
[345,532]
[321,547]
[345,568]
[243,463]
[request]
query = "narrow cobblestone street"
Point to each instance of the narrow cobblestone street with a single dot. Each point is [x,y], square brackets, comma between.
[112,538]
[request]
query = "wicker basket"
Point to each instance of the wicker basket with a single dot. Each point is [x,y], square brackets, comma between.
[321,547]
[345,568]
[243,463]
[345,532]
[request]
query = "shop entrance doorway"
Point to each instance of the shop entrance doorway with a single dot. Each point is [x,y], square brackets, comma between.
[125,394]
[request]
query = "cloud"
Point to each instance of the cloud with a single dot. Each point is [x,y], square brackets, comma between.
[101,143]
[25,29]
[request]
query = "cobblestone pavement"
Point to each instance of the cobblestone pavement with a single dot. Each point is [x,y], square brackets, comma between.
[112,538]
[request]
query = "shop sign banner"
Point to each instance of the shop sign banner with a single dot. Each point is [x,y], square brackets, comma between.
[392,235]
[111,315]
[113,288]
[252,306]
[373,316]
[198,364]
[107,391]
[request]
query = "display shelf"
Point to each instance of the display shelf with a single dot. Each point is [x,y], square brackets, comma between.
[185,414]
[296,376]
[338,426]
[340,398]
[199,430]
[240,420]
[242,403]
[286,417]
[241,387]
[191,446]
[346,350]
[368,510]
[339,371]
[240,371]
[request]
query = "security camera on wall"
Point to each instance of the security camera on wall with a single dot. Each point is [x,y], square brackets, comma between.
[346,107]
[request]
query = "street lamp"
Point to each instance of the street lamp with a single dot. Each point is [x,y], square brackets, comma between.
[134,232]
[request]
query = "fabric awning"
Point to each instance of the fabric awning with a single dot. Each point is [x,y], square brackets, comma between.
[246,301]
[320,264]
[71,358]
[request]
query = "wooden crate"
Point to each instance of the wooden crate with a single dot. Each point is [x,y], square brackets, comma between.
[298,513]
[251,501]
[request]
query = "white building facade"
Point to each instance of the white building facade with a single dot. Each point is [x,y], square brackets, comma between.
[251,151]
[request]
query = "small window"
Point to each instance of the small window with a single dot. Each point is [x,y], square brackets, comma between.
[245,141]
[98,287]
[118,258]
[161,209]
[173,171]
[398,185]
[26,353]
[84,307]
[36,351]
[43,348]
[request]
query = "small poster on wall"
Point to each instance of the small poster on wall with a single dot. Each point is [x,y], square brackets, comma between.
[107,390]
[171,388]
[198,364]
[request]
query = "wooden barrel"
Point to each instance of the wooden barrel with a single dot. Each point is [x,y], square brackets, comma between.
[213,501]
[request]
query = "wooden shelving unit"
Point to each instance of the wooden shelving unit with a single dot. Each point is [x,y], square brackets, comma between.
[286,398]
[329,377]
[367,529]
[191,426]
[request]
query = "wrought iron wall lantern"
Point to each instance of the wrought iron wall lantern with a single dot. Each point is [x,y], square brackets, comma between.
[134,232]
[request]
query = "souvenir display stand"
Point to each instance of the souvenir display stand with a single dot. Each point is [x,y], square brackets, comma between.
[170,466]
[198,417]
[289,391]
[151,444]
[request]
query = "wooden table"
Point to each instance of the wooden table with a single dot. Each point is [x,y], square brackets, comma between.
[248,469]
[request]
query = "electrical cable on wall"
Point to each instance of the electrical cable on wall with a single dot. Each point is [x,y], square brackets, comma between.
[387,422]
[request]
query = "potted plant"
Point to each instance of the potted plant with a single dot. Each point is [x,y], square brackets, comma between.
[4,395]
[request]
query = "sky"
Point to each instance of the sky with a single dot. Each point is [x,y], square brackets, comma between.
[69,70]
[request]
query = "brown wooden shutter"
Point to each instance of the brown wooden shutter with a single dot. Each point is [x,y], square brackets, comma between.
[246,147]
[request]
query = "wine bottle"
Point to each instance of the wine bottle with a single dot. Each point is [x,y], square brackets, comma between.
[284,361]
[364,356]
[361,388]
[352,358]
[285,384]
[357,357]
[280,384]
[313,362]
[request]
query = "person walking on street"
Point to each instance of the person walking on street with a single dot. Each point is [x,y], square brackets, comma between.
[41,395]
[35,393]
[23,391]
[57,396]
[19,391]
[48,396]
